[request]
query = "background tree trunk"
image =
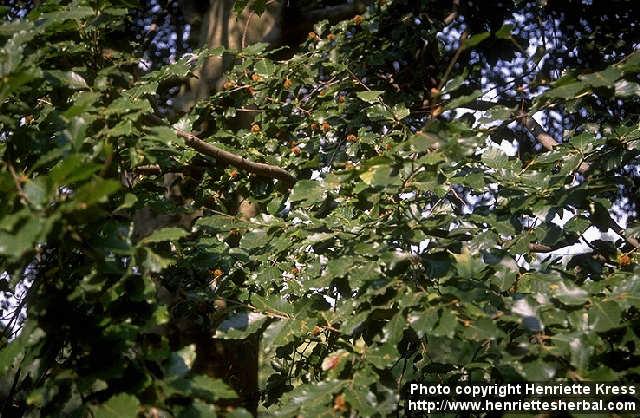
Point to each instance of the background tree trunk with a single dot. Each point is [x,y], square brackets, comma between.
[220,26]
[236,361]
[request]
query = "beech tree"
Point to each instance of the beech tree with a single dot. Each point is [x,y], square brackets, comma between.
[440,191]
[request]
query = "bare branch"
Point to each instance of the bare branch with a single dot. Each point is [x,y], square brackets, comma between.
[18,182]
[149,170]
[543,137]
[454,13]
[547,141]
[453,61]
[335,13]
[620,231]
[540,248]
[227,157]
[261,169]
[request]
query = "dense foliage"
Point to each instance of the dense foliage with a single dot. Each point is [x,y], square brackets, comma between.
[409,247]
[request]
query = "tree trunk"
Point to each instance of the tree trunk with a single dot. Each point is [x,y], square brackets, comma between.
[234,361]
[220,26]
[213,26]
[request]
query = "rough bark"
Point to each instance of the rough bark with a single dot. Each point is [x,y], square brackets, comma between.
[221,27]
[236,361]
[260,169]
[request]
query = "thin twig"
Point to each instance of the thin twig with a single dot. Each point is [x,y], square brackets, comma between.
[445,77]
[454,13]
[547,141]
[245,30]
[18,182]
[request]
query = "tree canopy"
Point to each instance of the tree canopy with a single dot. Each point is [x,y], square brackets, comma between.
[446,191]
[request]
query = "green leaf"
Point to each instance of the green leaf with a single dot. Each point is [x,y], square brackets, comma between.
[211,389]
[164,135]
[370,97]
[9,355]
[454,83]
[123,128]
[338,267]
[128,202]
[165,234]
[68,13]
[70,79]
[181,361]
[447,324]
[604,316]
[571,295]
[504,32]
[77,132]
[496,158]
[360,399]
[424,141]
[240,325]
[73,169]
[475,40]
[538,371]
[254,239]
[400,111]
[605,78]
[36,191]
[95,191]
[463,100]
[482,329]
[424,322]
[256,48]
[222,222]
[379,112]
[565,91]
[308,399]
[265,68]
[473,180]
[83,101]
[469,267]
[201,386]
[307,190]
[380,175]
[624,88]
[383,356]
[15,245]
[118,406]
[124,105]
[577,224]
[199,409]
[155,263]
